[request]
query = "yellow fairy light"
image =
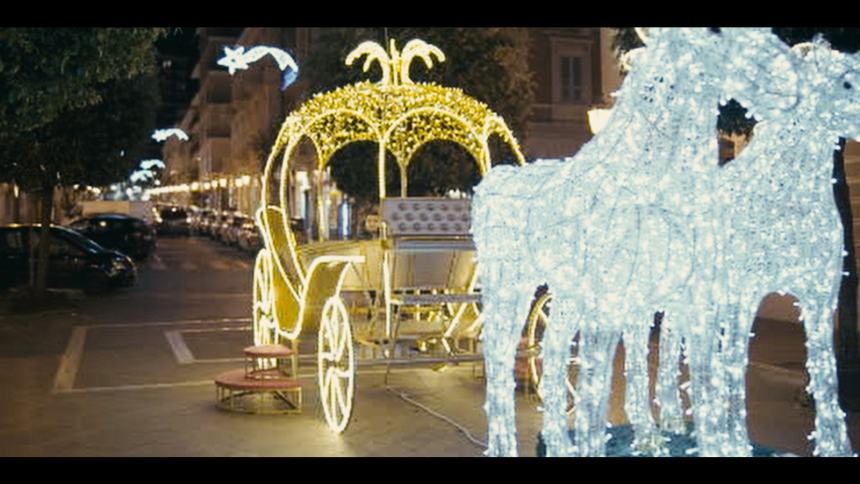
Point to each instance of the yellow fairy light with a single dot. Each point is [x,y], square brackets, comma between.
[400,116]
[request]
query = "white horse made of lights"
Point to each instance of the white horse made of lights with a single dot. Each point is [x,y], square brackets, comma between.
[626,227]
[786,236]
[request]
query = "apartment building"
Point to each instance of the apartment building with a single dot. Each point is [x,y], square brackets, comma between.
[574,70]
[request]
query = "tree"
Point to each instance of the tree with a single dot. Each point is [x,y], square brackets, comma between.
[732,120]
[489,64]
[64,110]
[45,72]
[94,145]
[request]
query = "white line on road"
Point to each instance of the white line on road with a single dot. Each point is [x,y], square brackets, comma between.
[793,376]
[71,360]
[169,323]
[220,265]
[157,263]
[188,266]
[180,349]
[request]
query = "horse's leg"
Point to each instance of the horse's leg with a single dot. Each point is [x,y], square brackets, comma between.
[560,331]
[733,360]
[593,386]
[505,308]
[701,355]
[830,434]
[637,401]
[668,373]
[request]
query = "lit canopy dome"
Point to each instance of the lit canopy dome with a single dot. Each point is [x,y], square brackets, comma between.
[396,113]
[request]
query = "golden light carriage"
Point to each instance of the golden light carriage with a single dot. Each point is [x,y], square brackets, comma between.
[417,279]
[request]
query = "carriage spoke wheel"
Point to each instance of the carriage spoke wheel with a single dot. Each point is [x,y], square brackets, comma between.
[336,364]
[537,324]
[264,300]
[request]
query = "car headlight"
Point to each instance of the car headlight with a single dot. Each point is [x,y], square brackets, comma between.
[116,266]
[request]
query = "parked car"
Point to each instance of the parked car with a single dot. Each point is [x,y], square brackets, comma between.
[126,234]
[219,226]
[249,237]
[200,221]
[174,220]
[234,228]
[75,260]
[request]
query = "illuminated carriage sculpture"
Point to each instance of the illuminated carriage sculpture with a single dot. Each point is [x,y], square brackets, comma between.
[360,291]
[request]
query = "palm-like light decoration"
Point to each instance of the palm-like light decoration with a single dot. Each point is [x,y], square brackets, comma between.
[238,59]
[395,64]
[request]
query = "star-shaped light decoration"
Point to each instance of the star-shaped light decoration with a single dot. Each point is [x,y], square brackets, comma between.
[233,59]
[239,58]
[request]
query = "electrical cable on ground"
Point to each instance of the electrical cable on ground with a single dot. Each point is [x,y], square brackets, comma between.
[438,415]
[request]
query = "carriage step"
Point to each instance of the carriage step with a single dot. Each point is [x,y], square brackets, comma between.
[236,392]
[268,351]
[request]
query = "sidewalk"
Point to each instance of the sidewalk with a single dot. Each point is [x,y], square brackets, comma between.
[778,414]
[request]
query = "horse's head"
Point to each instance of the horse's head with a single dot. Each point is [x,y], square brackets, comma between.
[675,67]
[832,80]
[760,71]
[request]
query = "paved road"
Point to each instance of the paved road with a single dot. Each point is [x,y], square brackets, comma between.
[129,374]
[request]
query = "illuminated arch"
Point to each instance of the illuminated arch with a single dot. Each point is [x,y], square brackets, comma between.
[397,113]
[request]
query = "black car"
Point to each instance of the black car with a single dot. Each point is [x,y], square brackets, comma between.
[174,220]
[124,233]
[75,261]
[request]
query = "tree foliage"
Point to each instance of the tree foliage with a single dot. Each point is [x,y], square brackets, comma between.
[45,72]
[489,64]
[95,145]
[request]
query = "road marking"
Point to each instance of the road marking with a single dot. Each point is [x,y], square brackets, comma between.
[188,266]
[220,265]
[70,361]
[157,263]
[169,323]
[180,349]
[187,295]
[795,376]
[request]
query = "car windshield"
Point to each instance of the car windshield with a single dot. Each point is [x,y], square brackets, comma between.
[173,213]
[79,240]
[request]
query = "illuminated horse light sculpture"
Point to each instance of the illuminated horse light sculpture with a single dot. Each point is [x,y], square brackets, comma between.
[786,236]
[626,227]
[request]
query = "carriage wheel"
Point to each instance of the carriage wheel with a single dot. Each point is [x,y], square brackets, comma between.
[537,323]
[336,364]
[264,299]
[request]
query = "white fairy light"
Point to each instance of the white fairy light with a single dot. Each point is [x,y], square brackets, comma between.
[239,58]
[785,235]
[162,134]
[150,164]
[633,224]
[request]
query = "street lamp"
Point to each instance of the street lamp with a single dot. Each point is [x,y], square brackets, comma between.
[597,118]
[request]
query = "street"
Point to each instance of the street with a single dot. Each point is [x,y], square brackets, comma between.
[130,374]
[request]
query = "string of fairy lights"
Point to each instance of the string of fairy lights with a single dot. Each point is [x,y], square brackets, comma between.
[642,219]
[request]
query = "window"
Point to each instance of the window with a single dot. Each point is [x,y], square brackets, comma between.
[81,225]
[571,79]
[571,71]
[11,242]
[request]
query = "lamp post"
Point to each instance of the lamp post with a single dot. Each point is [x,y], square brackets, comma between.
[597,117]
